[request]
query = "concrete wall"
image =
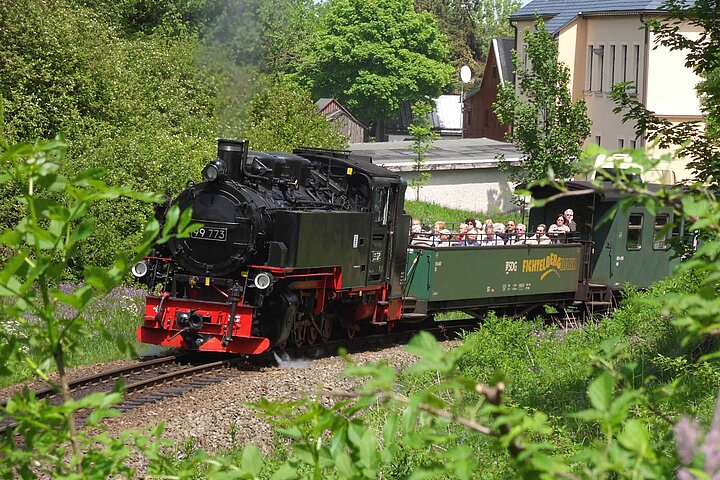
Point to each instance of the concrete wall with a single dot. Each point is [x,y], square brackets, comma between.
[479,190]
[670,84]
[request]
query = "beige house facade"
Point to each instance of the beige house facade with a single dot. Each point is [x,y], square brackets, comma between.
[604,42]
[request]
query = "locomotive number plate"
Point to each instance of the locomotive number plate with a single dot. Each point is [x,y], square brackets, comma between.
[211,233]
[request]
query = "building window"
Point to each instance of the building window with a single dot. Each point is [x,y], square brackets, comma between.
[598,138]
[661,231]
[636,61]
[590,68]
[600,54]
[624,63]
[634,231]
[633,144]
[621,143]
[612,66]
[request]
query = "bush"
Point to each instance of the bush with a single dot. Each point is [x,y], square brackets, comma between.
[139,107]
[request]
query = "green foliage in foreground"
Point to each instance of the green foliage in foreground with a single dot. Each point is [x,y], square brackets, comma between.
[618,390]
[586,403]
[36,336]
[118,312]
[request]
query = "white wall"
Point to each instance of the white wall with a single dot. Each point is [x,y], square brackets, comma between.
[480,190]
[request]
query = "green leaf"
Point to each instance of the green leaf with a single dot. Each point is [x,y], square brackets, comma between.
[426,346]
[83,231]
[11,238]
[600,392]
[13,266]
[344,466]
[90,174]
[252,460]
[285,472]
[635,438]
[99,278]
[79,299]
[171,219]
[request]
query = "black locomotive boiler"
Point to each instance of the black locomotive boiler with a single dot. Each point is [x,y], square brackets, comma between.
[293,247]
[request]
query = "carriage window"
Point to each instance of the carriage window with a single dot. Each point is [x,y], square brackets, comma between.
[661,234]
[634,232]
[382,205]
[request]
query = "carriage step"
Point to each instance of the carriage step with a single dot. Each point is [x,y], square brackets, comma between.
[413,316]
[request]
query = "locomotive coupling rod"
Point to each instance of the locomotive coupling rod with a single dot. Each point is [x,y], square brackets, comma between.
[234,295]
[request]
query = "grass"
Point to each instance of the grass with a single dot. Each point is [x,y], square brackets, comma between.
[118,313]
[549,369]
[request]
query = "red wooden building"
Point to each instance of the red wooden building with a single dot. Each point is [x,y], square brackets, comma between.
[343,120]
[479,119]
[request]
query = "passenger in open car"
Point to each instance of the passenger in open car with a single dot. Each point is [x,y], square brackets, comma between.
[540,238]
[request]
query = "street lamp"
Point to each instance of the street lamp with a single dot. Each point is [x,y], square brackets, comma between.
[465,76]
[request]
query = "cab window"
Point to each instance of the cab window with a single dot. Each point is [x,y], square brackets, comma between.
[661,232]
[381,207]
[634,231]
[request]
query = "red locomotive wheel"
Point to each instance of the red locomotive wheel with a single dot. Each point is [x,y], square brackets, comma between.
[312,330]
[300,333]
[352,330]
[325,323]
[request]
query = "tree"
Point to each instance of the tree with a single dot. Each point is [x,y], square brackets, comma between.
[700,144]
[374,55]
[548,126]
[283,117]
[470,26]
[140,107]
[269,34]
[423,138]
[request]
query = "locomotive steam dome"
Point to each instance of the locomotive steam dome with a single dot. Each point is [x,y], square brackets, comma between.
[232,217]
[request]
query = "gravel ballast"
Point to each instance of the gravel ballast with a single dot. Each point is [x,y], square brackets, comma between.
[216,417]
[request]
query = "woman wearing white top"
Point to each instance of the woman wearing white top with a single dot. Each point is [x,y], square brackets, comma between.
[558,229]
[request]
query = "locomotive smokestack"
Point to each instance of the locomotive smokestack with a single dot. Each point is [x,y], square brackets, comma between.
[233,153]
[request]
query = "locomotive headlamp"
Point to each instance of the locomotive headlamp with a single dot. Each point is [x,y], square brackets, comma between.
[214,170]
[140,269]
[263,280]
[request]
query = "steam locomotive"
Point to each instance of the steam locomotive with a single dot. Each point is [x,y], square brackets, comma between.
[300,247]
[293,248]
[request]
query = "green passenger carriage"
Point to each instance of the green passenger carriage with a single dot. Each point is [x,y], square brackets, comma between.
[585,270]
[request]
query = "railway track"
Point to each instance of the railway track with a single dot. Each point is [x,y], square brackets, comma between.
[145,382]
[161,378]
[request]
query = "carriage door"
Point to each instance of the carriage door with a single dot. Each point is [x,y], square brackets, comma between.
[631,255]
[383,197]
